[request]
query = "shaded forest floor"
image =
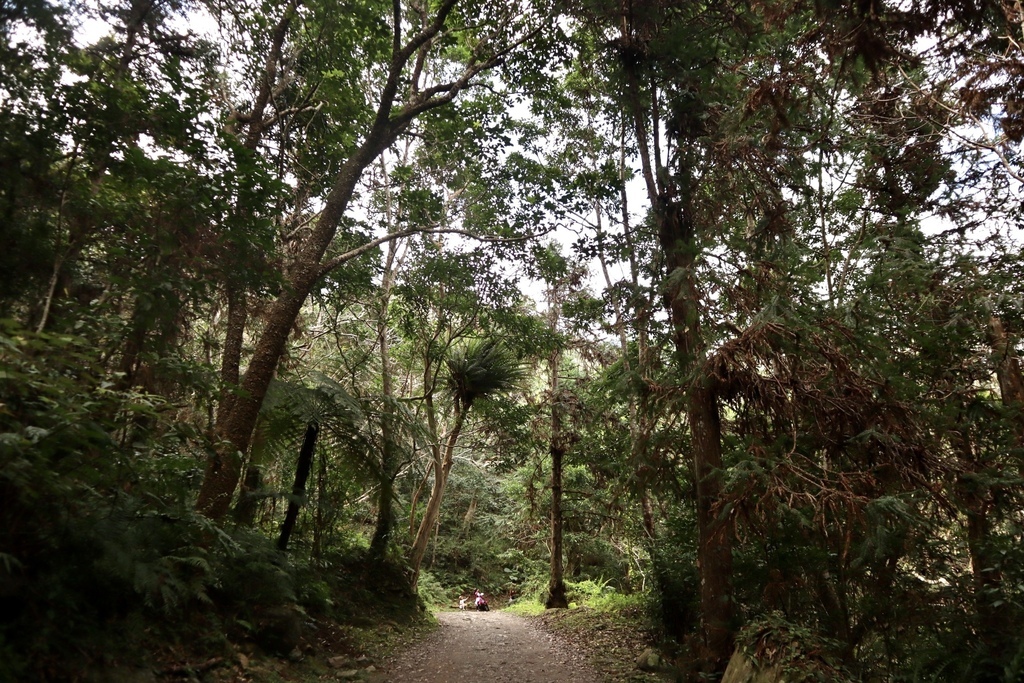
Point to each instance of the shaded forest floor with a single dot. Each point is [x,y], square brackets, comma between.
[580,645]
[613,640]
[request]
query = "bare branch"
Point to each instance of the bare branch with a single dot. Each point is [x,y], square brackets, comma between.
[985,145]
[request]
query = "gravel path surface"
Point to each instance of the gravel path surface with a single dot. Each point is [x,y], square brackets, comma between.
[488,647]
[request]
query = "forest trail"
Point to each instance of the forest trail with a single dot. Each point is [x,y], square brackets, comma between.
[488,647]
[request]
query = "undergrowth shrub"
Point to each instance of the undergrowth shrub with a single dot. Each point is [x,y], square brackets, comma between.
[604,597]
[434,595]
[252,572]
[99,545]
[797,652]
[587,590]
[676,583]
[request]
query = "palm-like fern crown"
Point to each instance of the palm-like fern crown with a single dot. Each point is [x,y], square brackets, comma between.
[481,368]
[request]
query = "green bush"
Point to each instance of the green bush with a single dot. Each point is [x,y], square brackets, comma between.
[677,585]
[587,590]
[801,654]
[434,595]
[99,545]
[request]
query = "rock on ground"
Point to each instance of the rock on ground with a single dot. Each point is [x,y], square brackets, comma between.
[488,647]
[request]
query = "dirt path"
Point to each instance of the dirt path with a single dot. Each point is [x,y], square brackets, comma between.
[488,647]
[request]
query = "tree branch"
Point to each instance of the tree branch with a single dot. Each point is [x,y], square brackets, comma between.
[341,259]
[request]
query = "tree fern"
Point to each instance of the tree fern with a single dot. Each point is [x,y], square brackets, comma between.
[481,368]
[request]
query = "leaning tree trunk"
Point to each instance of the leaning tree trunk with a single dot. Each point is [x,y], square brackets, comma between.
[442,468]
[235,425]
[302,469]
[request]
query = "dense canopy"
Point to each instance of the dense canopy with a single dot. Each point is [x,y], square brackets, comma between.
[714,307]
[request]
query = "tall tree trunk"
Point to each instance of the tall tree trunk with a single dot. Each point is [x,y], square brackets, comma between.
[714,551]
[671,201]
[231,360]
[385,515]
[302,469]
[385,497]
[638,424]
[321,519]
[1011,380]
[556,583]
[988,579]
[442,468]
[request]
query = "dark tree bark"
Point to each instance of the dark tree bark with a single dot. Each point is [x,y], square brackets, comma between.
[988,579]
[714,542]
[678,239]
[302,469]
[1010,377]
[385,521]
[245,509]
[556,584]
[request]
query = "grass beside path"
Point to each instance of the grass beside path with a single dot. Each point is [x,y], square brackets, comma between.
[613,631]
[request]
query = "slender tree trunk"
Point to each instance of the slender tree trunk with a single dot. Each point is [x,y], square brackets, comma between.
[231,359]
[386,494]
[415,499]
[442,468]
[1011,380]
[714,552]
[976,499]
[637,426]
[385,511]
[672,207]
[988,579]
[245,510]
[556,584]
[671,200]
[302,469]
[385,498]
[321,523]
